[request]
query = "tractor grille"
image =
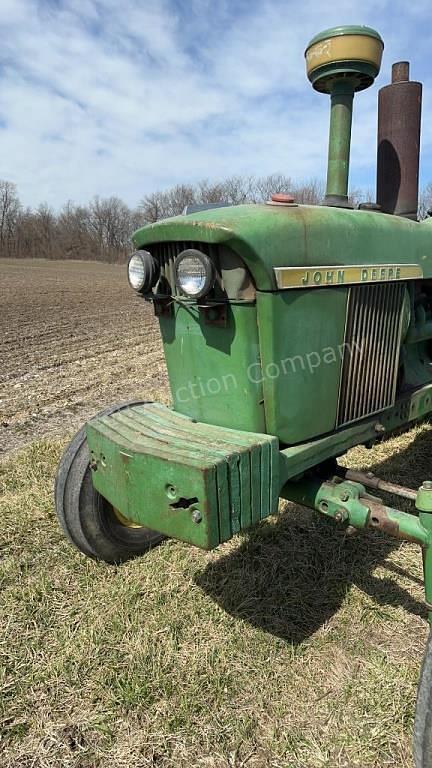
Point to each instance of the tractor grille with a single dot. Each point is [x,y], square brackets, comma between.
[166,254]
[371,350]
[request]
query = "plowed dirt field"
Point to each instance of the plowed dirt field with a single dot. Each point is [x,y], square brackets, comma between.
[73,339]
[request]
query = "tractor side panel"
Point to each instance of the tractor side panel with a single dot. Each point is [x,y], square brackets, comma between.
[214,368]
[302,345]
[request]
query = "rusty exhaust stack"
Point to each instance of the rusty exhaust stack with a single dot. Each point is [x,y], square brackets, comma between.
[399,117]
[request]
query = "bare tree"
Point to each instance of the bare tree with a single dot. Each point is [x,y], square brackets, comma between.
[234,190]
[237,190]
[425,201]
[151,208]
[102,229]
[263,187]
[10,207]
[73,232]
[309,192]
[110,224]
[45,231]
[210,192]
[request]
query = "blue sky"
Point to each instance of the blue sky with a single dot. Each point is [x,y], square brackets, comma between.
[107,97]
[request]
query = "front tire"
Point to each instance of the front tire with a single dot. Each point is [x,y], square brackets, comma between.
[422,741]
[89,521]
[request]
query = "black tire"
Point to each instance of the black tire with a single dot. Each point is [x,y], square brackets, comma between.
[86,517]
[422,741]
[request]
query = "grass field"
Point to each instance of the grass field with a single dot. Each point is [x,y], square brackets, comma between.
[292,646]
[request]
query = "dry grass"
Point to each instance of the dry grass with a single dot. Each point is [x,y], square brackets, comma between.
[292,645]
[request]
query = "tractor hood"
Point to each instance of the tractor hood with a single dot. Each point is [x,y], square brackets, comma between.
[270,236]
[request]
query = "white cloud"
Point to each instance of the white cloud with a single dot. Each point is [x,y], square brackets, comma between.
[108,98]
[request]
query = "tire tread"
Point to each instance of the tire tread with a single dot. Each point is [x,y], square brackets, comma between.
[422,737]
[79,507]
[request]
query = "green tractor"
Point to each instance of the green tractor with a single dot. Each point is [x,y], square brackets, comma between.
[291,334]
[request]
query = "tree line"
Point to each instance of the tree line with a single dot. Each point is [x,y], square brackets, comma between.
[101,230]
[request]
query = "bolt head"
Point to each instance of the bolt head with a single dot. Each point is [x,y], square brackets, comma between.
[171,491]
[196,516]
[345,496]
[427,485]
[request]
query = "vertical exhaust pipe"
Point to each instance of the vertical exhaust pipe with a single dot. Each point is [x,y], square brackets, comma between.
[399,118]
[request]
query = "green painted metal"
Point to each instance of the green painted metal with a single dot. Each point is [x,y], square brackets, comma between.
[215,371]
[424,505]
[299,458]
[268,236]
[301,337]
[424,497]
[240,359]
[425,517]
[348,501]
[330,499]
[224,374]
[361,74]
[409,526]
[349,29]
[188,480]
[342,95]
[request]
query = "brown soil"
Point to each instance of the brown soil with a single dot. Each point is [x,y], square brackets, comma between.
[74,338]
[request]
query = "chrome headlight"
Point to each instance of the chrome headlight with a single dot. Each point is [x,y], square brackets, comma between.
[194,273]
[143,271]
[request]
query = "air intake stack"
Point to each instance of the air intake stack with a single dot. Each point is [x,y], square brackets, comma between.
[399,116]
[341,61]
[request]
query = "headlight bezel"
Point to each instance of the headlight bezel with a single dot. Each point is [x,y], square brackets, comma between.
[209,269]
[150,271]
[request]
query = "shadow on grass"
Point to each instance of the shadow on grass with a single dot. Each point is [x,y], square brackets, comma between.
[289,577]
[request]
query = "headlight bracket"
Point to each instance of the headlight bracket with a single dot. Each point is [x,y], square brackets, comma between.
[215,314]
